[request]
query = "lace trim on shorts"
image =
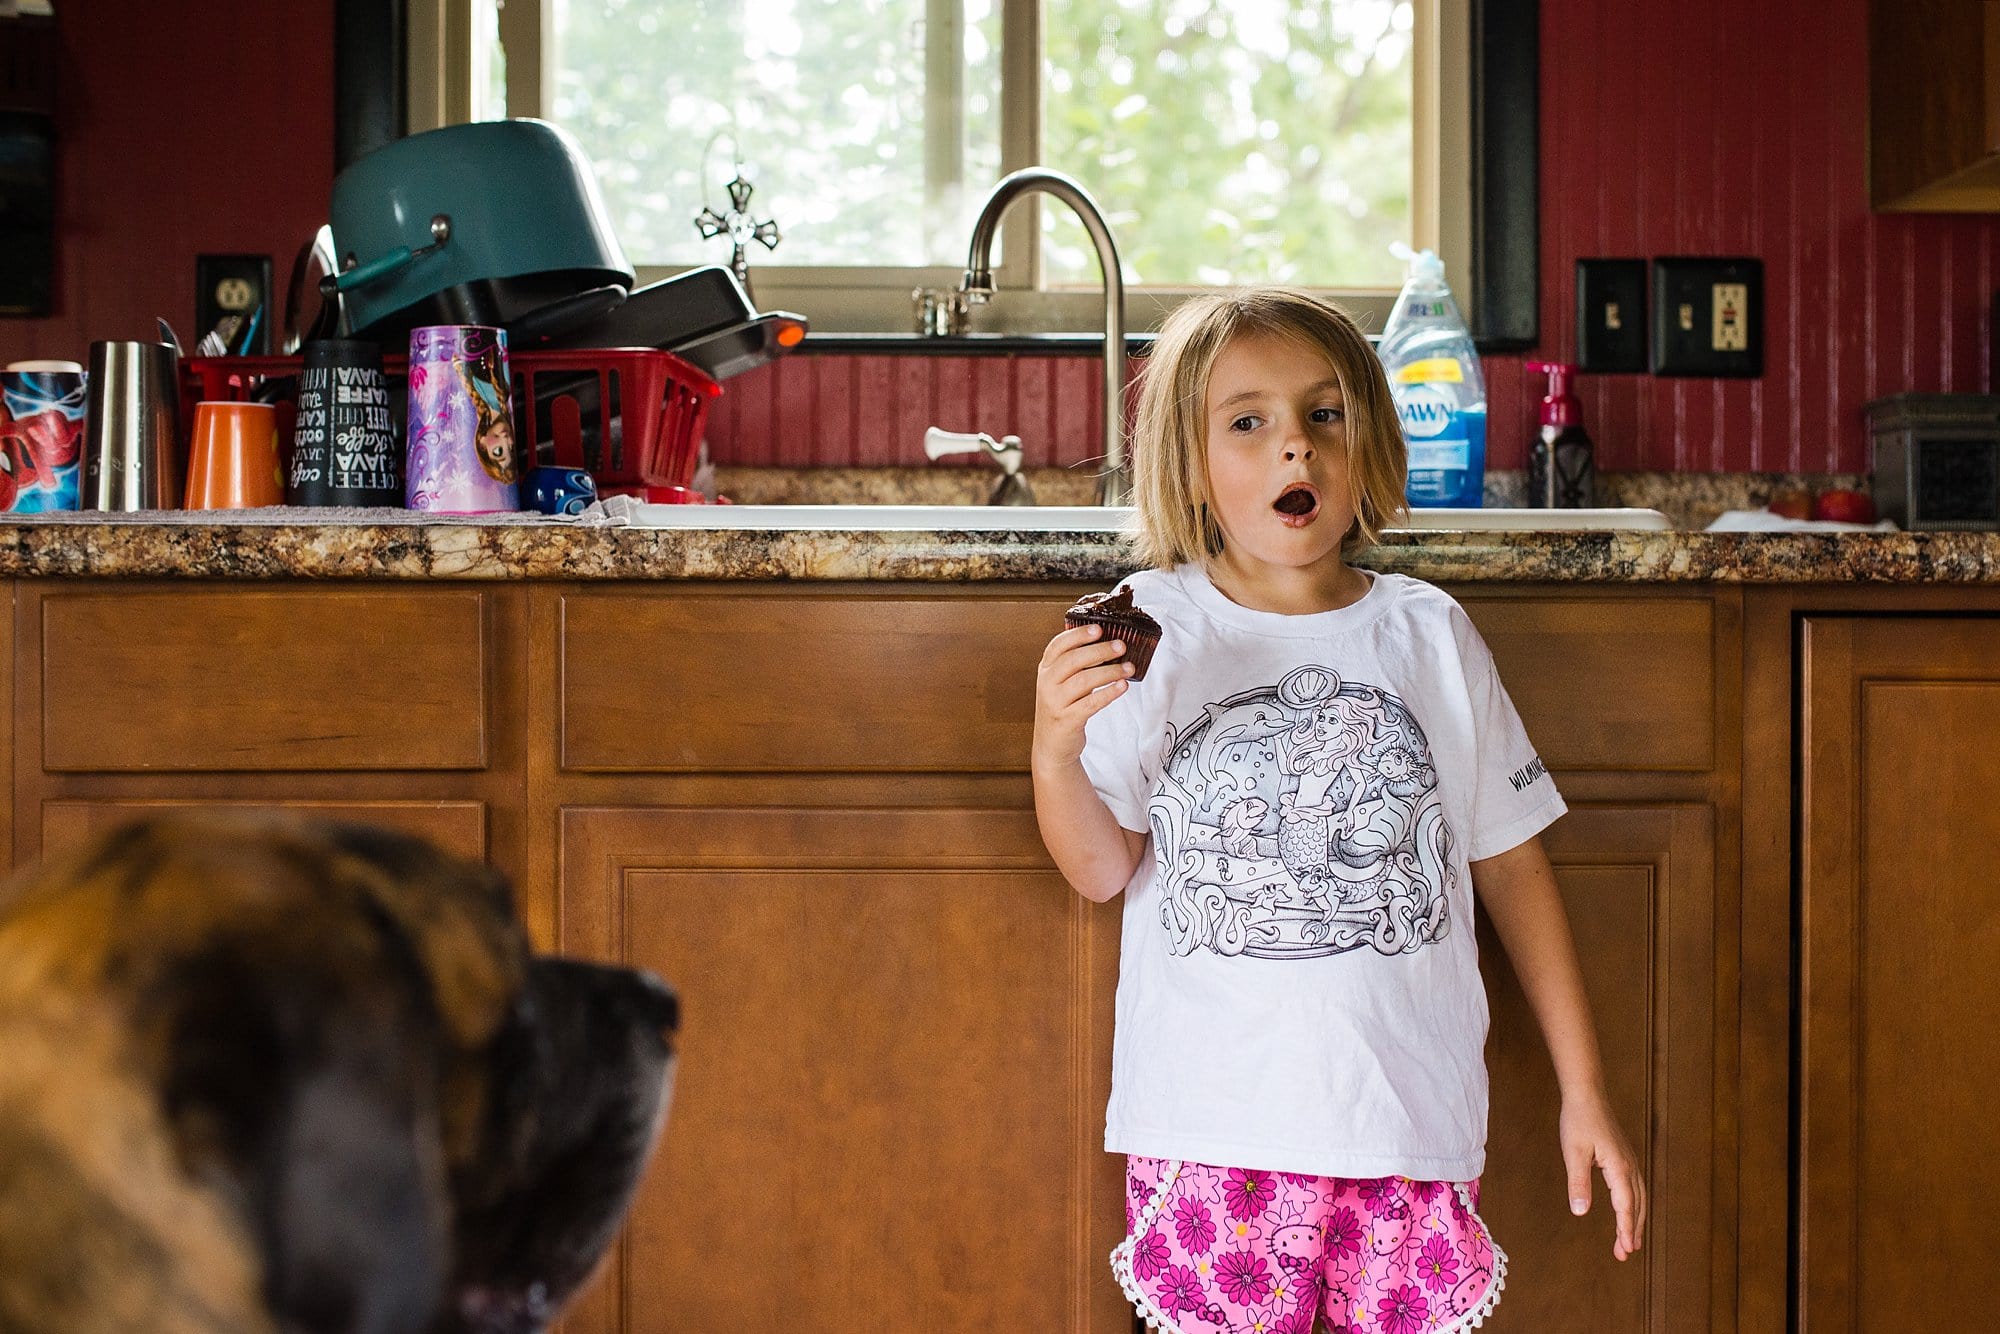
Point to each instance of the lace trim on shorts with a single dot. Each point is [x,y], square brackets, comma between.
[1155,1318]
[1476,1317]
[1121,1254]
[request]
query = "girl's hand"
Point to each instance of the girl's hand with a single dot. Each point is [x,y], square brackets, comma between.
[1591,1138]
[1067,690]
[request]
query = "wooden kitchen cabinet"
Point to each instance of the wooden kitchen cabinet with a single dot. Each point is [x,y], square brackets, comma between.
[1639,886]
[898,1016]
[894,1056]
[398,704]
[1898,986]
[808,809]
[1934,106]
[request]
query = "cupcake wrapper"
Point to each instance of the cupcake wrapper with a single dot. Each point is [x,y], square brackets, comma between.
[1139,643]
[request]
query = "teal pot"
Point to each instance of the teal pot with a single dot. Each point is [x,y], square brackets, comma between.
[496,222]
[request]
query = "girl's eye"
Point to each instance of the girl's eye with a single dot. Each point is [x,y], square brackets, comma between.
[1245,423]
[1329,415]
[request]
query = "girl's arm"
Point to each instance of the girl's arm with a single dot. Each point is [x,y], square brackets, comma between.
[1093,851]
[1077,677]
[1519,890]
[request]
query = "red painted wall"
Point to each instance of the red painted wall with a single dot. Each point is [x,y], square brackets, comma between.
[1713,126]
[1706,126]
[1700,127]
[181,129]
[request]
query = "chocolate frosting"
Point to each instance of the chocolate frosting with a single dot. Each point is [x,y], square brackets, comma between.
[1115,605]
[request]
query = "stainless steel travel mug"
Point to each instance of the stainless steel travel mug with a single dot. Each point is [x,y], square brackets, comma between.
[131,453]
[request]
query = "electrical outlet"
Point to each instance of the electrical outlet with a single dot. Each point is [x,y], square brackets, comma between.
[1708,316]
[237,285]
[1731,302]
[1611,315]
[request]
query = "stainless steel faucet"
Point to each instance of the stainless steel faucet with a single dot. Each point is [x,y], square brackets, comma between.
[1114,483]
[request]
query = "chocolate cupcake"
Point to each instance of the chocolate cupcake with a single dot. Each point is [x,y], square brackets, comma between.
[1122,620]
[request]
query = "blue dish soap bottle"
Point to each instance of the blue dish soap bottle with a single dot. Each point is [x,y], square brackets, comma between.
[1439,391]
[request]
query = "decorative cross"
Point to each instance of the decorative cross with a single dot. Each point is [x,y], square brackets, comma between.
[742,231]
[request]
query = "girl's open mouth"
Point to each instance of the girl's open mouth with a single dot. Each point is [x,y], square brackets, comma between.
[1297,505]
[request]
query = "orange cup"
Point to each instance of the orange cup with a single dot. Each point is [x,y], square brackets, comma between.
[233,461]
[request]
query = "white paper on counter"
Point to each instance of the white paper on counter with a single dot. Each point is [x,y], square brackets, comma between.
[1763,521]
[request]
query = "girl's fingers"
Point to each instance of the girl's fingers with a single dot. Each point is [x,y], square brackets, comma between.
[1621,1180]
[1097,699]
[1645,1205]
[1085,657]
[1069,667]
[1075,637]
[1576,1165]
[1079,686]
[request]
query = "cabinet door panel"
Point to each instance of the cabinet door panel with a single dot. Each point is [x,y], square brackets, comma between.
[1639,886]
[894,1060]
[1899,993]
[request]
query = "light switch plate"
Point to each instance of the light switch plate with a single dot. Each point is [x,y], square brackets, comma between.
[1611,315]
[1708,316]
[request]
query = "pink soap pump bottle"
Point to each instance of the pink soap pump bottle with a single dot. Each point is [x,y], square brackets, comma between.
[1562,472]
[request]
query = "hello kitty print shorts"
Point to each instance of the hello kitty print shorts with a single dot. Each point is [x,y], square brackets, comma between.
[1238,1251]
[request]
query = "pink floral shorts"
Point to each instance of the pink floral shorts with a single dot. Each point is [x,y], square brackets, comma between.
[1248,1252]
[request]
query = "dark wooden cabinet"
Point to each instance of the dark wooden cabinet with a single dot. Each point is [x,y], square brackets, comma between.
[894,1058]
[1898,984]
[1639,885]
[1934,106]
[894,1008]
[807,807]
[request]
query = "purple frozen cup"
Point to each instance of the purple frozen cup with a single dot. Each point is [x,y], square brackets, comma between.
[462,457]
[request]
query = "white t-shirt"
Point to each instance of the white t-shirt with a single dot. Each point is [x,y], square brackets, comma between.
[1299,987]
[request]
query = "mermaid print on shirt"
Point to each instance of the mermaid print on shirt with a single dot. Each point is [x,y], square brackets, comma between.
[1300,820]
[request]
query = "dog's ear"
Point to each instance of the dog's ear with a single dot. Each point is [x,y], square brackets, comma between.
[315,1107]
[458,917]
[299,1054]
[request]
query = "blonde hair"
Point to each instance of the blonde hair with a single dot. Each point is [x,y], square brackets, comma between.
[1174,523]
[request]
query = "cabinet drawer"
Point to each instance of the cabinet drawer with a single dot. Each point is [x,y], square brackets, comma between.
[455,826]
[1608,683]
[772,683]
[318,679]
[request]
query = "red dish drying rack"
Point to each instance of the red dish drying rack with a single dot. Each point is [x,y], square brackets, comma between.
[659,400]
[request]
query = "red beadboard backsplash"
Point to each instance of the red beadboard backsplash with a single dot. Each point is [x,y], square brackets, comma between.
[1640,156]
[180,129]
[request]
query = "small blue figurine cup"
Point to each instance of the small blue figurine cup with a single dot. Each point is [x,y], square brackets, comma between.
[560,490]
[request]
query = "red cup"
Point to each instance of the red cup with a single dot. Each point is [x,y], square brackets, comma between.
[233,461]
[670,494]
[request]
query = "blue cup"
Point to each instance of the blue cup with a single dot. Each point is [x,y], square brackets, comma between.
[559,490]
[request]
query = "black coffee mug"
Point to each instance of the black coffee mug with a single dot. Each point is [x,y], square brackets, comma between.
[344,449]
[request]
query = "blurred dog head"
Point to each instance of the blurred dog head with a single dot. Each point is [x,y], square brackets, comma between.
[264,1077]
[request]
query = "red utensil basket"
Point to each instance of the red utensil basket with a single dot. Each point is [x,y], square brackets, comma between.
[658,402]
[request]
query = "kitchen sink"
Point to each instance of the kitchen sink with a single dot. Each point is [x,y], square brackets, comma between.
[1081,518]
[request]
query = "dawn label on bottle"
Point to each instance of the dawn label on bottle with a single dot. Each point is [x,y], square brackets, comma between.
[1447,446]
[1428,455]
[1426,413]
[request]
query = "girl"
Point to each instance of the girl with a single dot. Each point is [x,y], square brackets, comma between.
[1325,766]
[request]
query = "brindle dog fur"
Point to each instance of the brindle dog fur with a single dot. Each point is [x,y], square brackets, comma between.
[264,1076]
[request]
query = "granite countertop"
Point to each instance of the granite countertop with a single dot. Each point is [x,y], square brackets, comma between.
[273,546]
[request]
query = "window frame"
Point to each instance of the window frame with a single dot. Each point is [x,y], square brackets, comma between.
[1484,79]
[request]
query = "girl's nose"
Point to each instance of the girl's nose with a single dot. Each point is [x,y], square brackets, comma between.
[1298,450]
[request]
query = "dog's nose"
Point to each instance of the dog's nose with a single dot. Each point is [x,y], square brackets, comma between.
[631,995]
[653,1000]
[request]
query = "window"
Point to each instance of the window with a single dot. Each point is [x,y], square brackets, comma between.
[1226,140]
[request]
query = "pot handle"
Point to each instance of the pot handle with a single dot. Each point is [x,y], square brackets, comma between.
[387,264]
